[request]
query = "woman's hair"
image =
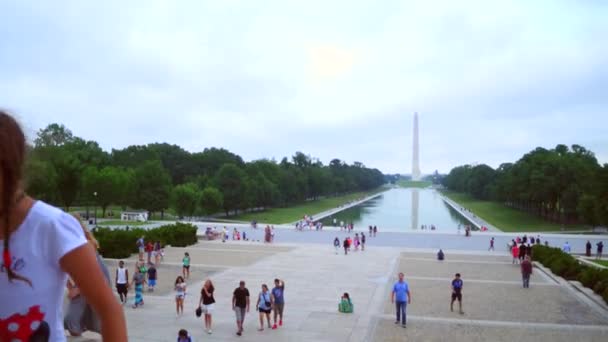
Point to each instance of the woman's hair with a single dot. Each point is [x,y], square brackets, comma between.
[211,288]
[345,295]
[265,287]
[179,279]
[87,233]
[12,160]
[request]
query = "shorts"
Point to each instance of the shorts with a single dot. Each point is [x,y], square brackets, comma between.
[187,267]
[240,313]
[208,309]
[152,282]
[141,250]
[121,288]
[266,311]
[457,296]
[278,308]
[180,296]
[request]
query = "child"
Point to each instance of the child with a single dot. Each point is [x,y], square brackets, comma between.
[182,336]
[345,306]
[186,266]
[151,278]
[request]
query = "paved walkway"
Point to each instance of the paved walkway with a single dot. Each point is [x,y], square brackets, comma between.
[497,308]
[474,219]
[326,213]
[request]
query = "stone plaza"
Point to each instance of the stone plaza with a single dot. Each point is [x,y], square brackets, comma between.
[496,306]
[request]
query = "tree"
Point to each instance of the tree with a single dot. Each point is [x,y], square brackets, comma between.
[211,200]
[109,184]
[152,187]
[53,135]
[41,180]
[185,198]
[231,181]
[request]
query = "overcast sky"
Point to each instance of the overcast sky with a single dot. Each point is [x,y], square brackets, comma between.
[491,80]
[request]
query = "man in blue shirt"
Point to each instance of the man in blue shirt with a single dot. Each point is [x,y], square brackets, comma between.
[457,293]
[279,301]
[401,290]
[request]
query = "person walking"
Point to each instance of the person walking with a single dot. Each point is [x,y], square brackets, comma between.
[278,299]
[522,252]
[346,246]
[362,242]
[180,294]
[141,247]
[207,302]
[457,285]
[139,279]
[515,254]
[526,271]
[264,305]
[566,248]
[588,249]
[122,281]
[357,242]
[401,296]
[375,230]
[240,305]
[152,276]
[337,245]
[157,252]
[79,316]
[491,245]
[600,249]
[186,266]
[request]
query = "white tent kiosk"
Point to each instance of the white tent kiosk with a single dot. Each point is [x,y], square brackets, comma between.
[139,216]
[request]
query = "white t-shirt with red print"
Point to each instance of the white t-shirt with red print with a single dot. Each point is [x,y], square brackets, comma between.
[44,237]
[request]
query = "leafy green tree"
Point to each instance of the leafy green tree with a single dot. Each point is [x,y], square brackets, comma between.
[211,200]
[152,187]
[41,180]
[231,181]
[185,198]
[53,135]
[110,184]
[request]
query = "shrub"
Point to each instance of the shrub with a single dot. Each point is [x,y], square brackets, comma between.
[567,266]
[119,243]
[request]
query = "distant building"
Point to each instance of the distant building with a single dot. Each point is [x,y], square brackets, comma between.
[139,216]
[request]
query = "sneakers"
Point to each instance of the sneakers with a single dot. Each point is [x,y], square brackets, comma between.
[281,323]
[209,331]
[274,326]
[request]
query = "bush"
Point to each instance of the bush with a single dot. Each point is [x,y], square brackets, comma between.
[120,243]
[565,265]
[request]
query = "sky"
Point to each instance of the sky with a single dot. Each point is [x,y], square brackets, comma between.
[491,80]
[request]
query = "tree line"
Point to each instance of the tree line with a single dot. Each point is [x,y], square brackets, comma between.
[67,170]
[565,185]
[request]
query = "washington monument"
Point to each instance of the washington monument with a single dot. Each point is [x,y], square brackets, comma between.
[415,161]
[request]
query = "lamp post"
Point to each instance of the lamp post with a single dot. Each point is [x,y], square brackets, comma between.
[95,204]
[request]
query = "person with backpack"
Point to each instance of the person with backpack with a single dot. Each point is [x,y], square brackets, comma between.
[337,244]
[264,306]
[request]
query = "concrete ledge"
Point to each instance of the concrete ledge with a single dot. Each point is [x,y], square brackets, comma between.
[584,294]
[590,263]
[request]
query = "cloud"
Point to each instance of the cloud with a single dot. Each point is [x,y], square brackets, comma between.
[491,80]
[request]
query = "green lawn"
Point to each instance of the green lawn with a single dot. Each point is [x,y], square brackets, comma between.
[413,184]
[294,213]
[505,218]
[600,262]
